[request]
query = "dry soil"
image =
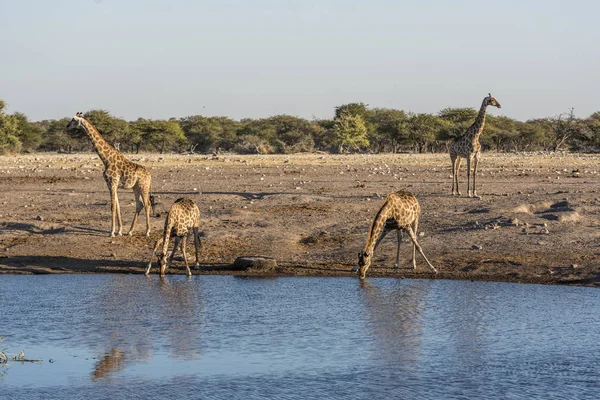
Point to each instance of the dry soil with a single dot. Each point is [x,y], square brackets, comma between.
[537,220]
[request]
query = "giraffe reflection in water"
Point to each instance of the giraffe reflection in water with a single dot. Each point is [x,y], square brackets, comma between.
[394,319]
[173,307]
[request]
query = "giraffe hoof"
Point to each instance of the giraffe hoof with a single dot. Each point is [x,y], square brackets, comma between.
[395,266]
[112,234]
[129,233]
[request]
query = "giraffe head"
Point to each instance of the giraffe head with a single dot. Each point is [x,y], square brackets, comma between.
[364,262]
[491,101]
[76,121]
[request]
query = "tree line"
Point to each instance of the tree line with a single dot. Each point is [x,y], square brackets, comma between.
[354,127]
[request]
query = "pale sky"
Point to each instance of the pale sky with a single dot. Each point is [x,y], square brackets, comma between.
[258,58]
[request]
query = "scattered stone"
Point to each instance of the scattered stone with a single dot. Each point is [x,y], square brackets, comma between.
[421,234]
[477,247]
[574,266]
[514,221]
[39,218]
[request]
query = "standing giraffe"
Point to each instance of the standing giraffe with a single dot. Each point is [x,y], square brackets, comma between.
[468,146]
[182,220]
[119,170]
[400,211]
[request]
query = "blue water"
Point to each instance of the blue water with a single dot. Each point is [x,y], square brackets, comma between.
[128,336]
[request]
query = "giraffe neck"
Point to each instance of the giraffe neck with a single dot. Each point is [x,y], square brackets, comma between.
[375,231]
[475,130]
[103,148]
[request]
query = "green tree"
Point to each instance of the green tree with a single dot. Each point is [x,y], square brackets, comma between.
[457,120]
[9,140]
[323,134]
[209,133]
[465,115]
[28,133]
[292,134]
[160,135]
[390,129]
[565,126]
[350,132]
[538,132]
[423,130]
[501,133]
[58,138]
[592,128]
[354,109]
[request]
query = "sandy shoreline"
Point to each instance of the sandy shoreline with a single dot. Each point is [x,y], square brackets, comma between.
[537,220]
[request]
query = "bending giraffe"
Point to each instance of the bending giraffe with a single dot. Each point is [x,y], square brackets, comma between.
[400,212]
[468,146]
[119,171]
[182,220]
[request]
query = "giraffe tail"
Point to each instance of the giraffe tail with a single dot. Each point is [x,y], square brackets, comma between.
[152,201]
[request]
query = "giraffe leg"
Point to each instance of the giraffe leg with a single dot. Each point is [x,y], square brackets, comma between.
[147,206]
[475,163]
[175,244]
[183,250]
[384,233]
[469,176]
[119,219]
[453,159]
[458,162]
[114,203]
[416,244]
[197,245]
[156,245]
[415,227]
[138,207]
[399,233]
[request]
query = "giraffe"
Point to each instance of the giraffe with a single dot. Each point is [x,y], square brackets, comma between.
[182,220]
[468,146]
[118,170]
[400,211]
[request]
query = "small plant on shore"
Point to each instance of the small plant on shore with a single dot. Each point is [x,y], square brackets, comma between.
[3,356]
[20,356]
[17,357]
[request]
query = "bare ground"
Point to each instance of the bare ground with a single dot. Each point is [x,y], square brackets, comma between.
[536,222]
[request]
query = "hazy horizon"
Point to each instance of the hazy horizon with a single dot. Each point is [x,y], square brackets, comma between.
[155,59]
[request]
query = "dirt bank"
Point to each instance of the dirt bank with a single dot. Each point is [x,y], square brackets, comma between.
[537,220]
